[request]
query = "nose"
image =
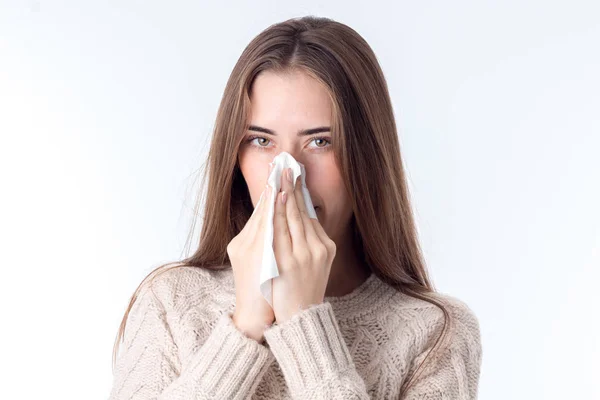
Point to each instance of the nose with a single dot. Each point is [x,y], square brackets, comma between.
[297,156]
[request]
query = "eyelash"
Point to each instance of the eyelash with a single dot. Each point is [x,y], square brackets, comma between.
[263,148]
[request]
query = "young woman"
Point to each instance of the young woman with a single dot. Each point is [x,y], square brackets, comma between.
[354,313]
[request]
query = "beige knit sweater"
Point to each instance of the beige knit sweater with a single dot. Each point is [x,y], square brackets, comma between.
[181,343]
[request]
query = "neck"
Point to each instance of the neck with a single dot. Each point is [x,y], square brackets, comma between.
[348,271]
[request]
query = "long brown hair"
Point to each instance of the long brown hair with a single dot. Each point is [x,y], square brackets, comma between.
[365,144]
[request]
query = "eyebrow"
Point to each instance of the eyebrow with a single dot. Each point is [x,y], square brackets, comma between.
[302,132]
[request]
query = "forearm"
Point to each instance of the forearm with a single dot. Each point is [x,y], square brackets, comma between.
[314,358]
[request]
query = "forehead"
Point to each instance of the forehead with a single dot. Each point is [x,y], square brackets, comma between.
[293,98]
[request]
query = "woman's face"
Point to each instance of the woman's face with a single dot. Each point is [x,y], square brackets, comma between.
[286,105]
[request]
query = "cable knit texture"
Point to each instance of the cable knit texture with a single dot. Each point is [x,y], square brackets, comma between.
[180,343]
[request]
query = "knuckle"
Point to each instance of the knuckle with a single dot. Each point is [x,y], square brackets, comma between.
[231,251]
[232,246]
[330,246]
[330,243]
[304,258]
[321,253]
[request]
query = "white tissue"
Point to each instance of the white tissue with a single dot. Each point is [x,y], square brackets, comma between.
[268,268]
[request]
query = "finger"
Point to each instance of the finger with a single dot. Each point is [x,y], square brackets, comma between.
[259,210]
[309,230]
[323,237]
[266,184]
[294,219]
[282,242]
[268,198]
[255,220]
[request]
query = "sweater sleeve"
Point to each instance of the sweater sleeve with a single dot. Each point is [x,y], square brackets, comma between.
[228,365]
[454,373]
[314,357]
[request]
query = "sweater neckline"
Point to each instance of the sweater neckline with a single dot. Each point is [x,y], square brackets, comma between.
[365,285]
[364,299]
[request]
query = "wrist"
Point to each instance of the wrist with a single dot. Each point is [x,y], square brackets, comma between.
[251,330]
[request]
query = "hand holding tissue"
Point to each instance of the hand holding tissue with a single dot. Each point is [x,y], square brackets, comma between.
[297,254]
[268,269]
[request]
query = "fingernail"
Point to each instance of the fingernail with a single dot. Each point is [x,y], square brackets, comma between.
[283,197]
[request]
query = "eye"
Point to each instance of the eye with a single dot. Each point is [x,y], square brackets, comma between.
[323,139]
[263,142]
[259,146]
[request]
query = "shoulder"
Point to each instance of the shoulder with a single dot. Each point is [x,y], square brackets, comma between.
[426,320]
[464,331]
[461,314]
[422,327]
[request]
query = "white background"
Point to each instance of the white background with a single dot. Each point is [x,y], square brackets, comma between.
[106,110]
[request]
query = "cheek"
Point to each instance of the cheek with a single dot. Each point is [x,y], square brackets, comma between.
[255,172]
[331,190]
[326,184]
